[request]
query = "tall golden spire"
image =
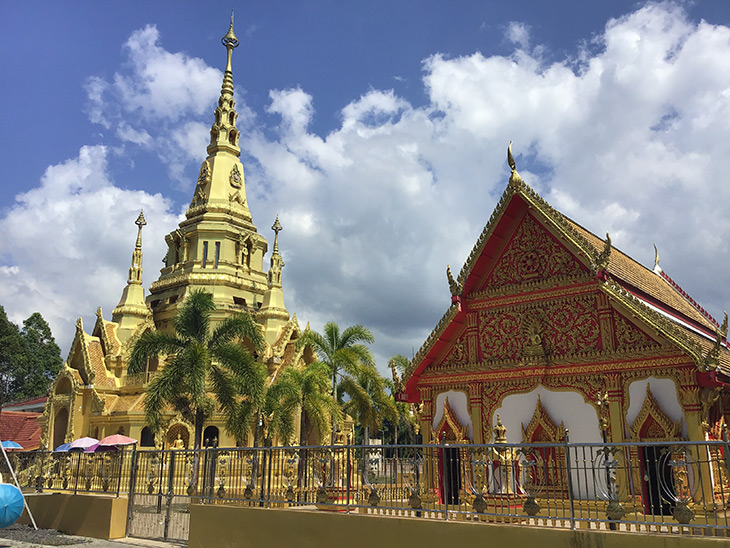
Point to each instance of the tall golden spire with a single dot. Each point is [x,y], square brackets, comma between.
[224,134]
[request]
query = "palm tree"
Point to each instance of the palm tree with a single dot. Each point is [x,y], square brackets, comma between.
[199,359]
[342,352]
[368,403]
[306,389]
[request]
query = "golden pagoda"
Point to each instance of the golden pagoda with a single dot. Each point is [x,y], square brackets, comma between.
[216,248]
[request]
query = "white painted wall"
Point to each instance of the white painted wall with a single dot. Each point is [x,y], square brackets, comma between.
[579,417]
[460,405]
[665,392]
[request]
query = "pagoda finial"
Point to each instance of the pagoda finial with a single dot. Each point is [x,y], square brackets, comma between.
[135,270]
[514,178]
[276,227]
[224,134]
[230,42]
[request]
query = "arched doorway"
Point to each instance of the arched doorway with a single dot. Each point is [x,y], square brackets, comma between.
[655,471]
[60,427]
[146,437]
[210,436]
[449,431]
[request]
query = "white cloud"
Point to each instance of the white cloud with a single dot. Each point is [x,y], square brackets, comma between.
[67,244]
[518,34]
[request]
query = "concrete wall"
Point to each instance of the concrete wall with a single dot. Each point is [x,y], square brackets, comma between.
[98,516]
[227,526]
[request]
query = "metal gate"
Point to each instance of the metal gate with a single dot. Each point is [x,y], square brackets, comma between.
[161,487]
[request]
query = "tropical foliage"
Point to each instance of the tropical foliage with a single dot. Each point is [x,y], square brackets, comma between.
[29,358]
[198,358]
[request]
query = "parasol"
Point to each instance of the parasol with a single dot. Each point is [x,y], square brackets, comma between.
[62,448]
[11,504]
[82,443]
[116,439]
[9,444]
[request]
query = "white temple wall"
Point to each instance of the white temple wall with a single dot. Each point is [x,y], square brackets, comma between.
[665,393]
[578,417]
[459,404]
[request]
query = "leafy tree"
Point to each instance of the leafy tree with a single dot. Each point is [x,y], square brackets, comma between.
[12,354]
[29,358]
[198,358]
[42,359]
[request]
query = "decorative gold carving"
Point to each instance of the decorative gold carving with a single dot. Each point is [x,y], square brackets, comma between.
[629,336]
[655,319]
[532,254]
[500,431]
[458,433]
[204,176]
[652,423]
[455,288]
[711,360]
[542,428]
[604,256]
[235,197]
[235,178]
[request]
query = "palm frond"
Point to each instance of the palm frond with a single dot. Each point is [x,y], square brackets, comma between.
[240,326]
[193,318]
[150,345]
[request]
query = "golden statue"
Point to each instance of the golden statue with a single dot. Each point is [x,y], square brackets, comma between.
[178,443]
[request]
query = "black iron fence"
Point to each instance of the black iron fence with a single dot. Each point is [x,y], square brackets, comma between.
[665,487]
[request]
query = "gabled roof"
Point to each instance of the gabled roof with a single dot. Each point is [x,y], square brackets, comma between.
[653,296]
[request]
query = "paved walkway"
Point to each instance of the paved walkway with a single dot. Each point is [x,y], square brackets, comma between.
[28,538]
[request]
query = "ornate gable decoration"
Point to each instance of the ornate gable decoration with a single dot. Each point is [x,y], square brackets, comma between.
[542,428]
[78,356]
[450,419]
[630,337]
[532,255]
[652,423]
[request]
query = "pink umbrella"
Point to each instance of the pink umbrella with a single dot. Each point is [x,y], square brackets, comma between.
[116,439]
[82,443]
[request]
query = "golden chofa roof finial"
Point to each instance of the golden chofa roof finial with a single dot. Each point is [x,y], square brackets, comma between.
[514,178]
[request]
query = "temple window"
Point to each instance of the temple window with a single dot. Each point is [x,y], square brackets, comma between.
[232,137]
[205,254]
[217,254]
[231,118]
[146,438]
[240,301]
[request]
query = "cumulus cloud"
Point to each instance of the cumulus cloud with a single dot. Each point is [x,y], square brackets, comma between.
[155,94]
[67,244]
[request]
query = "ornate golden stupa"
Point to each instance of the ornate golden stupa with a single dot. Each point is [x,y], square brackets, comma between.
[216,248]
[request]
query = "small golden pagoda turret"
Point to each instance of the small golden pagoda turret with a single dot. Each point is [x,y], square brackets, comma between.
[132,309]
[273,313]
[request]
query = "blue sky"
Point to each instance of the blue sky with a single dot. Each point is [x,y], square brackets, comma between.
[375,129]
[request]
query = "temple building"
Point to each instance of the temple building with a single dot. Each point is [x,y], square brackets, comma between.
[552,329]
[216,248]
